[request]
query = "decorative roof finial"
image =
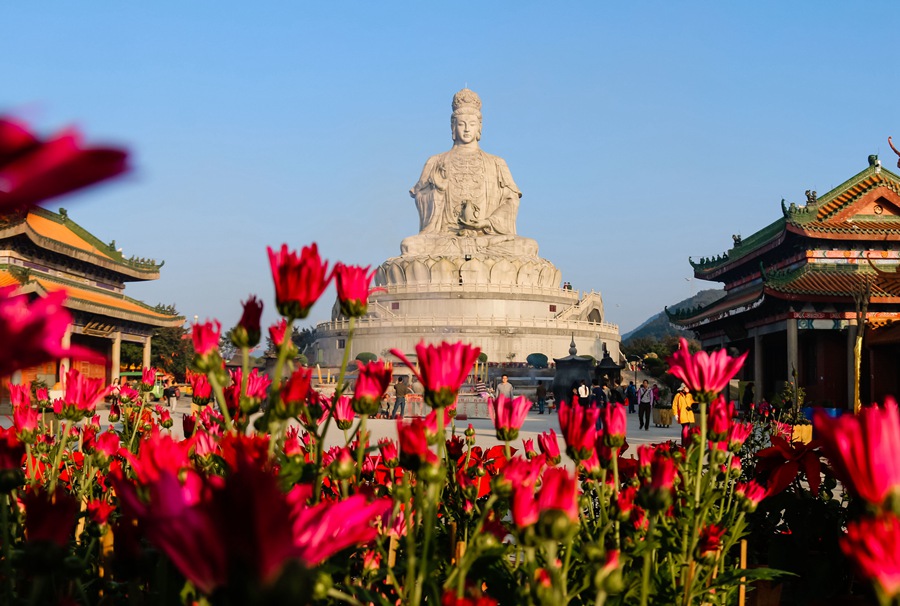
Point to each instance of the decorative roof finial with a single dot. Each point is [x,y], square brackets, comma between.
[572,349]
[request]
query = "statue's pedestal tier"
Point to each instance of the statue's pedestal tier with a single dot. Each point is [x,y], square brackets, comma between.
[468,269]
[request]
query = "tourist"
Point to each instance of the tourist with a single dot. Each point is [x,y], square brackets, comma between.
[683,411]
[401,390]
[418,397]
[631,396]
[645,403]
[170,394]
[583,392]
[505,388]
[541,394]
[616,395]
[598,397]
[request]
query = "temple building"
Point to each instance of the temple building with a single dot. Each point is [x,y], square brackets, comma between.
[797,291]
[43,252]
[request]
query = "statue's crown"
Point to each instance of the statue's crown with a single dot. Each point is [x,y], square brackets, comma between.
[466,100]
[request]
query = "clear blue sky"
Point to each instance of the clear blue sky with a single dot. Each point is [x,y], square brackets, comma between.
[639,133]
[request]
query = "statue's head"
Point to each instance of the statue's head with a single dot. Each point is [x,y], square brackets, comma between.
[466,113]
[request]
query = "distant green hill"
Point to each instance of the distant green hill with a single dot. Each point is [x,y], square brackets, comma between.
[658,326]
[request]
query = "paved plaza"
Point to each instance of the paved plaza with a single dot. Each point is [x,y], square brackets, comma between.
[534,425]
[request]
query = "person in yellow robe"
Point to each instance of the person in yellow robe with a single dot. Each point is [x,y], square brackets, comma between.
[682,408]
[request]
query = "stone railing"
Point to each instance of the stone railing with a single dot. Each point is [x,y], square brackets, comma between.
[507,289]
[469,322]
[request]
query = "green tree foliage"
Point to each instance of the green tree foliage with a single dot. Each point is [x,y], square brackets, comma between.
[132,353]
[303,339]
[366,357]
[171,349]
[538,360]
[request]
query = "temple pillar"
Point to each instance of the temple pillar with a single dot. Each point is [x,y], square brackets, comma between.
[146,360]
[793,358]
[116,355]
[851,365]
[65,363]
[757,368]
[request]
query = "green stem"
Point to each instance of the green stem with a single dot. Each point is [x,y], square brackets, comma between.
[648,560]
[340,595]
[220,398]
[58,460]
[362,438]
[8,589]
[137,422]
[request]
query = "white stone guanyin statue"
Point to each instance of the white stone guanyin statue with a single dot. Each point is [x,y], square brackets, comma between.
[466,198]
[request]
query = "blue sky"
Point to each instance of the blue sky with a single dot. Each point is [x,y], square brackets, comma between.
[639,133]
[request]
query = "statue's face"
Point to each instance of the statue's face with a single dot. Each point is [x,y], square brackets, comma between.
[466,128]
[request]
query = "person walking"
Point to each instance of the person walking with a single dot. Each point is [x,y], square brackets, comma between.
[170,394]
[645,403]
[541,394]
[505,388]
[401,390]
[631,396]
[683,410]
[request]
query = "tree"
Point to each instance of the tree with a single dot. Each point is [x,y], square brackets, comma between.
[226,347]
[171,348]
[537,360]
[303,339]
[366,357]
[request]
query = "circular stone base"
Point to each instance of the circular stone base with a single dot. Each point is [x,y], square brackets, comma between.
[465,269]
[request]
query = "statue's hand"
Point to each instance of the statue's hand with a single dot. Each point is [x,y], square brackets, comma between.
[475,223]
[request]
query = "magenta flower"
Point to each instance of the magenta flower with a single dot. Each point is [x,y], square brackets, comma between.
[704,373]
[26,421]
[615,424]
[864,449]
[873,544]
[390,455]
[12,452]
[353,284]
[579,429]
[509,415]
[414,451]
[249,401]
[656,494]
[32,170]
[442,369]
[720,414]
[206,337]
[372,382]
[201,389]
[247,333]
[528,448]
[128,395]
[19,395]
[737,435]
[294,393]
[81,396]
[277,332]
[106,445]
[299,280]
[710,540]
[320,531]
[750,493]
[559,491]
[36,328]
[148,378]
[343,414]
[549,445]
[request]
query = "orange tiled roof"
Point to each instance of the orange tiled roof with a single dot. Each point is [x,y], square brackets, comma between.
[7,279]
[837,282]
[61,233]
[91,296]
